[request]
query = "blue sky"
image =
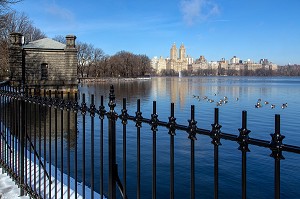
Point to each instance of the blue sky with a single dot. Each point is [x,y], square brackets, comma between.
[248,29]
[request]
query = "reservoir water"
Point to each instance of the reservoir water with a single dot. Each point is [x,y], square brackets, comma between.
[242,93]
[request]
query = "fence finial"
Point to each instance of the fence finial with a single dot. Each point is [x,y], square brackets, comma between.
[138,115]
[215,132]
[192,125]
[276,143]
[124,115]
[102,110]
[172,122]
[112,98]
[243,137]
[154,118]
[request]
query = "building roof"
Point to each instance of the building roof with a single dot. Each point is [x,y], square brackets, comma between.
[45,43]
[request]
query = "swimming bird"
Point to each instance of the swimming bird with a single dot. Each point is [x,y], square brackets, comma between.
[258,105]
[272,106]
[266,102]
[211,100]
[284,105]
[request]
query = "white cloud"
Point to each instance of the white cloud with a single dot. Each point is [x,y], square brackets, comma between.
[198,10]
[60,12]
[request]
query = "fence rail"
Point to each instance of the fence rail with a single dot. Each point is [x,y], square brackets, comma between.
[28,133]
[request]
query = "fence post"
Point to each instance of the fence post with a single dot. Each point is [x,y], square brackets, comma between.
[192,136]
[276,147]
[243,140]
[215,135]
[22,126]
[154,124]
[102,112]
[172,127]
[112,171]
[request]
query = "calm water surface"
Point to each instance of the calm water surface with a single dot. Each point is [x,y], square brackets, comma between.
[182,91]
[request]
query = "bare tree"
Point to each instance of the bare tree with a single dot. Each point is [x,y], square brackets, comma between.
[94,64]
[15,22]
[102,66]
[83,57]
[19,22]
[144,65]
[4,5]
[126,64]
[60,38]
[89,59]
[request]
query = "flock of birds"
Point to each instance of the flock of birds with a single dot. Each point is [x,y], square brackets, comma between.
[259,104]
[224,100]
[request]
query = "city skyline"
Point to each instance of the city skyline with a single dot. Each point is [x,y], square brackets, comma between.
[213,28]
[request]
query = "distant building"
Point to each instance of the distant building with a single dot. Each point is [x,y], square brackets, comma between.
[48,63]
[264,61]
[177,63]
[190,60]
[200,63]
[234,60]
[159,64]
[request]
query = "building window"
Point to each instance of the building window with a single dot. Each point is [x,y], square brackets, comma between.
[44,71]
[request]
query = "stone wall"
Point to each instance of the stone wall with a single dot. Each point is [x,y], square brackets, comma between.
[61,64]
[15,57]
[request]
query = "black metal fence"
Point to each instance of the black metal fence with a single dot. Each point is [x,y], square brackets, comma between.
[34,123]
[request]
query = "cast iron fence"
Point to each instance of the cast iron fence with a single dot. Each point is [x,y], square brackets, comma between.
[27,153]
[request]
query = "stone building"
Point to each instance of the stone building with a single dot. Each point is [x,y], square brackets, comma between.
[46,63]
[177,63]
[159,64]
[178,60]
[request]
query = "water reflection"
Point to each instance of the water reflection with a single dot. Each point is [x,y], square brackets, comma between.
[131,90]
[181,91]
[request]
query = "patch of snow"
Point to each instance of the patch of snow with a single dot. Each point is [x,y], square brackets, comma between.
[8,188]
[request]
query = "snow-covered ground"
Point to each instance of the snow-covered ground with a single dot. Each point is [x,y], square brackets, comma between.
[8,188]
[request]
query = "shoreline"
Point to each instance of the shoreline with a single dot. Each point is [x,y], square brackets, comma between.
[109,79]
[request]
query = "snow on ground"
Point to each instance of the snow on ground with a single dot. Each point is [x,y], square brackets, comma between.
[8,188]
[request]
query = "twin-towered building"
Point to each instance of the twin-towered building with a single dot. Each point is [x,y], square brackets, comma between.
[179,61]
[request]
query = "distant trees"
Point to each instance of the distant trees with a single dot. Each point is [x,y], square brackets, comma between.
[88,58]
[289,70]
[92,62]
[171,72]
[19,22]
[13,21]
[126,64]
[60,38]
[4,5]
